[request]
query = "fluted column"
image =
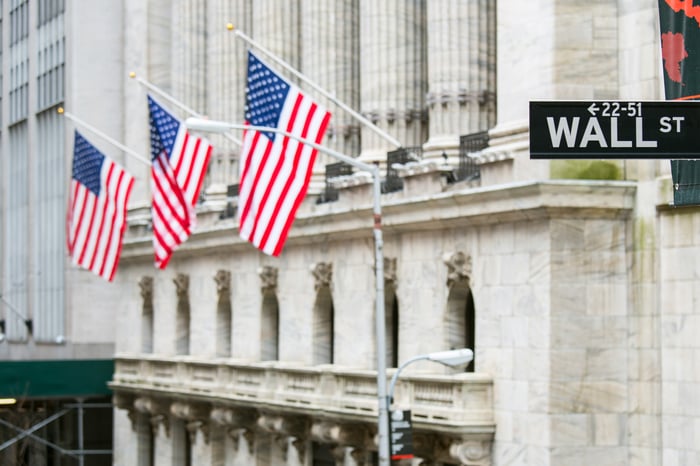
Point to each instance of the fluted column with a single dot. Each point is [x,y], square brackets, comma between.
[330,58]
[277,28]
[392,73]
[461,41]
[225,84]
[189,67]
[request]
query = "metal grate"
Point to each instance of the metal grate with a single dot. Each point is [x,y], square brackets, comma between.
[404,155]
[469,144]
[231,195]
[333,170]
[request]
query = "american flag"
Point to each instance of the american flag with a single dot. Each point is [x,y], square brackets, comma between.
[275,169]
[179,164]
[99,194]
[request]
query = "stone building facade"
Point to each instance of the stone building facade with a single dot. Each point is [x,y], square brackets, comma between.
[573,281]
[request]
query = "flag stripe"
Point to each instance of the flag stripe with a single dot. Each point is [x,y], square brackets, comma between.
[275,169]
[286,182]
[99,191]
[180,163]
[301,192]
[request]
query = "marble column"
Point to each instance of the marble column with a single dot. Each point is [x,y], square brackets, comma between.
[189,67]
[392,74]
[330,58]
[277,28]
[461,42]
[225,82]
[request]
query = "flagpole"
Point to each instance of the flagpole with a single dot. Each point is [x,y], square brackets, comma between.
[99,133]
[198,124]
[327,94]
[174,101]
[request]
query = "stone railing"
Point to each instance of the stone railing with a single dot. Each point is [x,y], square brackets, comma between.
[457,403]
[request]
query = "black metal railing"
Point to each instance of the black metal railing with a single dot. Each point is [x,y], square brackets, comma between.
[469,144]
[231,195]
[333,170]
[401,156]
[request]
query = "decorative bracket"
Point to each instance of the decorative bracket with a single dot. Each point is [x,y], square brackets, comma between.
[459,268]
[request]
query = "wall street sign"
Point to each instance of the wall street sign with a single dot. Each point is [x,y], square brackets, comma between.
[614,129]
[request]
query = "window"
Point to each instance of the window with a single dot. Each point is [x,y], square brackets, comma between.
[323,327]
[461,318]
[269,327]
[391,315]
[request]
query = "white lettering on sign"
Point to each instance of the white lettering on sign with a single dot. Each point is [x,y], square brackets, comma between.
[555,132]
[567,129]
[667,127]
[614,141]
[594,133]
[640,137]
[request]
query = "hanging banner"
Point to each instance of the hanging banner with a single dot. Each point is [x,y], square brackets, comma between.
[680,52]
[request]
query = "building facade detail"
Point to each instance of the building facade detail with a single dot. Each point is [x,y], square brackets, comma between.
[268,278]
[459,268]
[323,275]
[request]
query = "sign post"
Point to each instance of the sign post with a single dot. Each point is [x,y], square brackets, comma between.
[400,435]
[614,129]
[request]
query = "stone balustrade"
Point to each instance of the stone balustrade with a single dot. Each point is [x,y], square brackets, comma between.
[457,403]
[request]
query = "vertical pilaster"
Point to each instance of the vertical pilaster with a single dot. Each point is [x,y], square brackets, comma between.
[277,28]
[330,58]
[461,42]
[392,73]
[225,83]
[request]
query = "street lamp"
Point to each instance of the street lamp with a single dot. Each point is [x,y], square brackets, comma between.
[452,358]
[199,124]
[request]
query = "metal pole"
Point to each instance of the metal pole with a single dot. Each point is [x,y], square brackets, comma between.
[34,428]
[327,94]
[99,133]
[382,401]
[81,454]
[382,406]
[175,102]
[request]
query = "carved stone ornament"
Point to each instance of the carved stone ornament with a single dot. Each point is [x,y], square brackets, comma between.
[146,286]
[459,268]
[471,452]
[297,444]
[223,284]
[158,420]
[192,428]
[341,434]
[323,274]
[126,402]
[294,426]
[246,434]
[268,278]
[390,276]
[182,286]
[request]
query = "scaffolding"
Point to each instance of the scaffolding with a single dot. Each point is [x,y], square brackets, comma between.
[50,432]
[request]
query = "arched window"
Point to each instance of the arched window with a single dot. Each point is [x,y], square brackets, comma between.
[391,316]
[269,327]
[323,327]
[182,319]
[223,313]
[146,285]
[460,313]
[323,314]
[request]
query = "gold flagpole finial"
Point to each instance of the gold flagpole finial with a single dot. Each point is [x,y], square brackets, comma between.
[60,110]
[229,26]
[132,75]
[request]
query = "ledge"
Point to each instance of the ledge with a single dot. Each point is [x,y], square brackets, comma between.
[458,404]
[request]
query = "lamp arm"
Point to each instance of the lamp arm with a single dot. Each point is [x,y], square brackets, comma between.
[395,377]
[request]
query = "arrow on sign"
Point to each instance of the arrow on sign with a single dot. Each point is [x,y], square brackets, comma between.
[593,109]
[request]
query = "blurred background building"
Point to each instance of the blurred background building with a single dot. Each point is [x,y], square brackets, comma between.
[574,281]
